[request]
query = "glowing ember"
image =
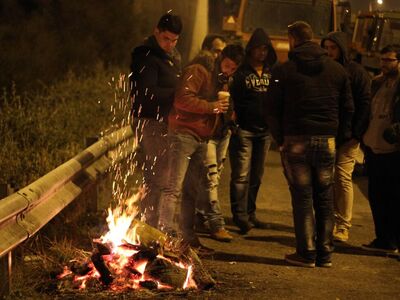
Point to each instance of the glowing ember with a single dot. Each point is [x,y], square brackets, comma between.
[120,261]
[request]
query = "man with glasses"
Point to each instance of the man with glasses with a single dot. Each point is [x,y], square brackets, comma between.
[382,140]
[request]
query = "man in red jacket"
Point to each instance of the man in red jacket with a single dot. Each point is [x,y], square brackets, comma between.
[197,115]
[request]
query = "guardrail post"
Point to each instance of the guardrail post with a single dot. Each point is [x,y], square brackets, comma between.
[6,260]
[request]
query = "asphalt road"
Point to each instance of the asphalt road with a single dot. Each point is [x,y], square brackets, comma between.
[252,266]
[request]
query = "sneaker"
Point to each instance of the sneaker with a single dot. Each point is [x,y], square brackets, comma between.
[244,226]
[222,235]
[323,264]
[377,246]
[256,223]
[341,234]
[297,260]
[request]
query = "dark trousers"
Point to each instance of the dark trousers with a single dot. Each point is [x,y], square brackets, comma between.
[308,163]
[153,145]
[247,153]
[384,196]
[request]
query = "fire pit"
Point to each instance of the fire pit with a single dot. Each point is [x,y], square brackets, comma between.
[134,255]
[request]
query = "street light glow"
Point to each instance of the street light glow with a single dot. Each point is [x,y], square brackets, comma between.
[380,2]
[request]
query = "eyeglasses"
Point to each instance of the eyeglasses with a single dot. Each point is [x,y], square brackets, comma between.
[387,60]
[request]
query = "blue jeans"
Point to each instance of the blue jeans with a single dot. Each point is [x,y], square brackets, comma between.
[308,163]
[208,204]
[247,153]
[186,165]
[152,137]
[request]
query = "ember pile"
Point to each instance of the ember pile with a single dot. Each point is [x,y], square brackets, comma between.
[134,255]
[130,266]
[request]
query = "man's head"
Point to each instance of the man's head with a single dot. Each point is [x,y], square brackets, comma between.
[333,49]
[390,60]
[230,59]
[259,49]
[298,33]
[167,32]
[214,43]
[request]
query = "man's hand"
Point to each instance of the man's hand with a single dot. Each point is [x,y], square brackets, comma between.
[221,106]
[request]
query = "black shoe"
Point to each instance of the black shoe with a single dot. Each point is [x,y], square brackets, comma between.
[323,263]
[377,246]
[244,226]
[297,260]
[255,222]
[324,260]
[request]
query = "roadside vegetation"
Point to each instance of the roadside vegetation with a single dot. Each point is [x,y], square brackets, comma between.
[43,129]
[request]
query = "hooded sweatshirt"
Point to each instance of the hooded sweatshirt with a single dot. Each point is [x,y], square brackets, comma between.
[154,78]
[248,89]
[309,95]
[360,84]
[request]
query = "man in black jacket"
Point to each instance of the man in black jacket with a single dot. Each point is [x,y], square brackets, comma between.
[336,45]
[309,104]
[155,72]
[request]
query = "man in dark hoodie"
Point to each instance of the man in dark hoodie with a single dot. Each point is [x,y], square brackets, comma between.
[309,104]
[196,118]
[155,72]
[346,153]
[250,143]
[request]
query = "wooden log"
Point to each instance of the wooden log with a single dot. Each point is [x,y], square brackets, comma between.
[166,273]
[152,237]
[105,274]
[203,279]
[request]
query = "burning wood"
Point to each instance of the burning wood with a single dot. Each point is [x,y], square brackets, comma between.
[155,262]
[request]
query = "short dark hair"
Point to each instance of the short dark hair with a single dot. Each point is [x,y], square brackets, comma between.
[301,31]
[234,52]
[170,22]
[392,48]
[209,39]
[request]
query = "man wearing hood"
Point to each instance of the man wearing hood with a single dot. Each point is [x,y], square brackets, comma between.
[309,104]
[250,143]
[336,45]
[155,72]
[198,116]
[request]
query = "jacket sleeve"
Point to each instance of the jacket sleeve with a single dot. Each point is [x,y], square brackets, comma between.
[145,80]
[237,89]
[274,105]
[346,111]
[187,96]
[392,134]
[361,87]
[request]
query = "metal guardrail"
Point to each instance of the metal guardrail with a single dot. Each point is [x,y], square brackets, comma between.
[25,212]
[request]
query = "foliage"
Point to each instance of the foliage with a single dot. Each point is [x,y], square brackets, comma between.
[40,131]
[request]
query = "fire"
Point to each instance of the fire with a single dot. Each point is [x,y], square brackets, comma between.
[120,261]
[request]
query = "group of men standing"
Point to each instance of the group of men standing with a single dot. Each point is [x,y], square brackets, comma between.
[316,107]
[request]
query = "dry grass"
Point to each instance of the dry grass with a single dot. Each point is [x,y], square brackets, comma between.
[41,131]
